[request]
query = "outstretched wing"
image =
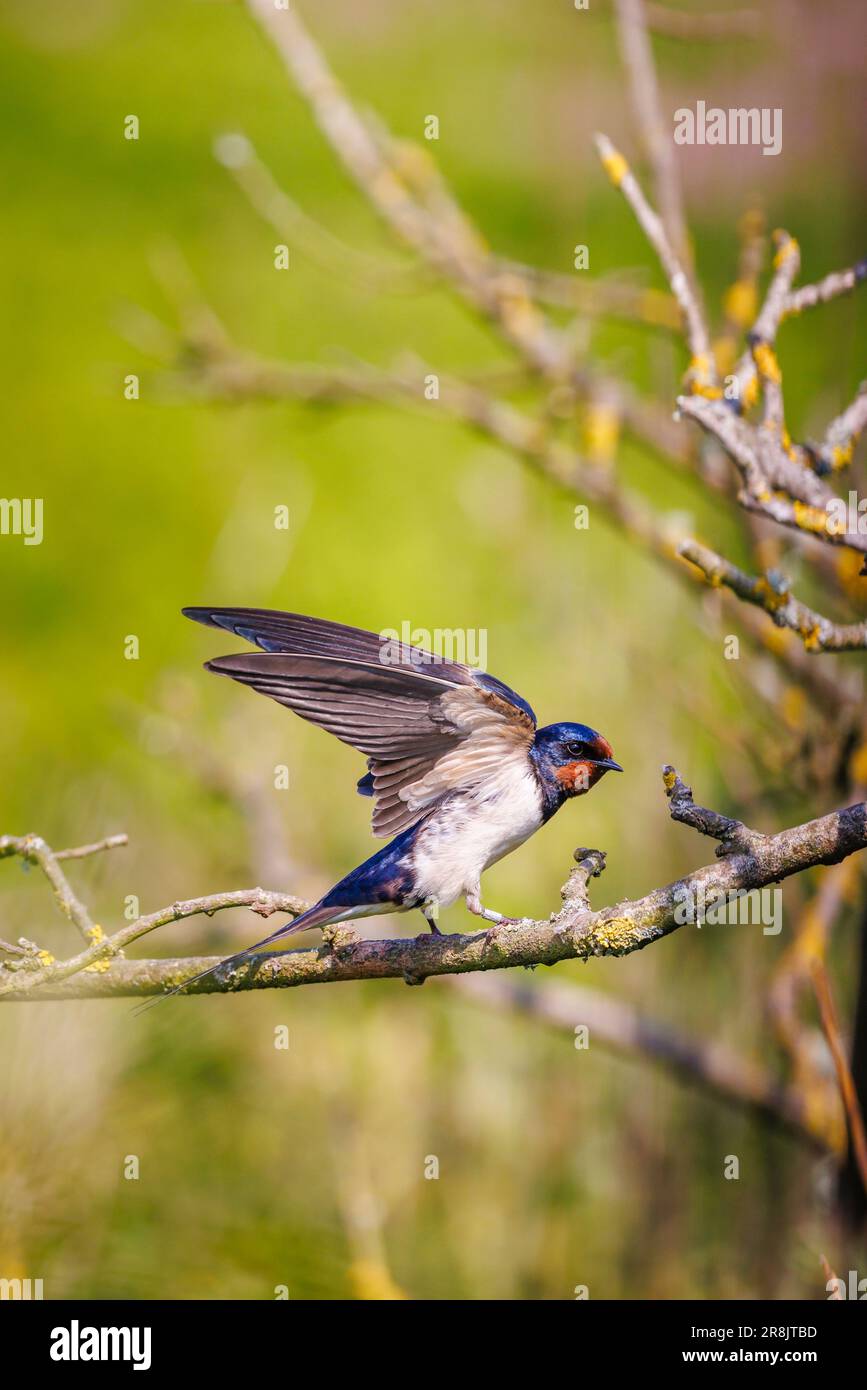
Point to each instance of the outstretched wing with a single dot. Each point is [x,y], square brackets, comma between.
[427,726]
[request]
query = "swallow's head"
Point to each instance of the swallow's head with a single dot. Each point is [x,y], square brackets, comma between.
[573,757]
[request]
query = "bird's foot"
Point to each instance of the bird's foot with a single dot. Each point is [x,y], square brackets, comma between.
[492,932]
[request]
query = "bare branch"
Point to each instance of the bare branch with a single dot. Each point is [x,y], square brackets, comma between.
[792,976]
[839,282]
[644,89]
[831,1029]
[439,233]
[288,219]
[615,1024]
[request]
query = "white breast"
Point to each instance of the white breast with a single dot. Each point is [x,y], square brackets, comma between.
[475,828]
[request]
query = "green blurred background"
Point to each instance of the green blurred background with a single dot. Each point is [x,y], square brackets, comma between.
[262,1167]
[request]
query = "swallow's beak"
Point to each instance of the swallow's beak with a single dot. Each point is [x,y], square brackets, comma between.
[609,764]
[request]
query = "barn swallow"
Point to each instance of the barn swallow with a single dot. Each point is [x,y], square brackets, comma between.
[459,773]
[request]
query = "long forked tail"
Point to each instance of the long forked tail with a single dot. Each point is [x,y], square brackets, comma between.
[316,916]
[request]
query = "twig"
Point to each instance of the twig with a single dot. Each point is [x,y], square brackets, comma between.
[33,850]
[841,436]
[734,837]
[787,263]
[702,369]
[236,153]
[831,1029]
[831,1278]
[792,976]
[82,851]
[839,282]
[644,88]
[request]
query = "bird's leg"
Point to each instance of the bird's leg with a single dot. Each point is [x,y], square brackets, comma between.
[474,903]
[430,912]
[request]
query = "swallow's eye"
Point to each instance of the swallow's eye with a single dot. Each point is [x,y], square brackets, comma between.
[576,749]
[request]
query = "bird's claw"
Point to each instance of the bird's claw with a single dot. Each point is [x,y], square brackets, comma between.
[491,933]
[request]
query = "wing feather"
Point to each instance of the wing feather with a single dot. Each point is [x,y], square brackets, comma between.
[427,726]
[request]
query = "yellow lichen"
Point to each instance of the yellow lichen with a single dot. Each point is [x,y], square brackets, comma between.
[766,360]
[615,167]
[45,957]
[699,377]
[372,1281]
[849,570]
[98,967]
[776,639]
[858,765]
[601,432]
[841,455]
[772,599]
[787,247]
[750,393]
[794,707]
[740,303]
[810,518]
[724,352]
[616,934]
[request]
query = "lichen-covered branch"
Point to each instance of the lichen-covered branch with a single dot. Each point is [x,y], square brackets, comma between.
[841,436]
[702,367]
[771,593]
[575,932]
